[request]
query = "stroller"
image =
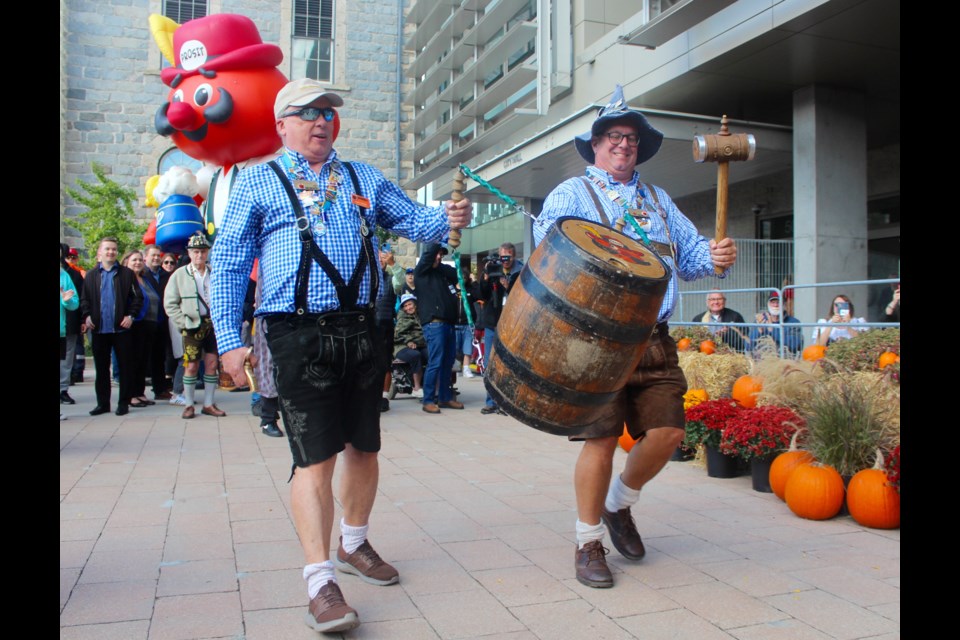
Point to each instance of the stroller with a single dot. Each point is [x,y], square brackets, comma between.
[401,379]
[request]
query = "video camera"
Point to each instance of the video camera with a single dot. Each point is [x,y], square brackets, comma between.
[493,265]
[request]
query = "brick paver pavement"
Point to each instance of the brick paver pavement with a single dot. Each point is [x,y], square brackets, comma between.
[173,529]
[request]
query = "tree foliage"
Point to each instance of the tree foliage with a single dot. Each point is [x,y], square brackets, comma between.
[109,212]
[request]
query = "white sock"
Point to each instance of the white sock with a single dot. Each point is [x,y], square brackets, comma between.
[620,496]
[589,532]
[352,537]
[210,383]
[317,575]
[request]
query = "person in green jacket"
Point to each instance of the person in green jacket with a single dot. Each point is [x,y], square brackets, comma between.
[409,344]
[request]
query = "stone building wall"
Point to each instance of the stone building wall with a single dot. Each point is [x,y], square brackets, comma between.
[111,88]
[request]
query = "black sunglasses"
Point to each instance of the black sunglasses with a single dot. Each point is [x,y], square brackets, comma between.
[310,114]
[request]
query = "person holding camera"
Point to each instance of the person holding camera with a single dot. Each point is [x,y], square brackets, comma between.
[841,311]
[499,274]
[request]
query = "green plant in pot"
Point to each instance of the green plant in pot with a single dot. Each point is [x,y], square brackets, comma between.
[845,423]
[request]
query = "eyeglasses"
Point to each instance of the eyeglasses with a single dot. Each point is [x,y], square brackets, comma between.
[616,137]
[715,299]
[169,262]
[310,114]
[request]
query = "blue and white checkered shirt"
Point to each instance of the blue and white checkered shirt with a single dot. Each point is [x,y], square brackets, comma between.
[571,198]
[260,222]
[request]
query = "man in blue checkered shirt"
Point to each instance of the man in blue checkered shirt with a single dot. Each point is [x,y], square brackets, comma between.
[310,217]
[652,402]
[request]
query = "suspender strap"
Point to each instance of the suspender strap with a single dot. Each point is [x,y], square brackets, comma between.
[596,201]
[368,252]
[664,249]
[347,293]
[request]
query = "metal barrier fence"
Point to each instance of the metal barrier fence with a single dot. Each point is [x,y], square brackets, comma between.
[760,263]
[785,329]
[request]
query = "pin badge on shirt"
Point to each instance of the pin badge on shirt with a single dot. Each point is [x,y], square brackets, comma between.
[305,185]
[360,201]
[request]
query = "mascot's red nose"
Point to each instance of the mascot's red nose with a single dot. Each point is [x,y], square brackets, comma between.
[182,117]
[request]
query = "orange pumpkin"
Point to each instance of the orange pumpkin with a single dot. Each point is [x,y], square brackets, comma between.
[871,500]
[625,441]
[745,390]
[887,358]
[815,491]
[784,464]
[683,344]
[814,352]
[708,347]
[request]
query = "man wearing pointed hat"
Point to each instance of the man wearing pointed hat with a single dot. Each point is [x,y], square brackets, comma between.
[651,404]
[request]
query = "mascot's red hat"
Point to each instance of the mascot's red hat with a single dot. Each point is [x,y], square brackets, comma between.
[220,42]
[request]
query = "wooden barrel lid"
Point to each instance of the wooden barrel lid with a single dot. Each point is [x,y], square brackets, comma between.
[613,248]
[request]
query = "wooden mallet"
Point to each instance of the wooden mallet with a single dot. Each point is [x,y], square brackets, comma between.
[723,148]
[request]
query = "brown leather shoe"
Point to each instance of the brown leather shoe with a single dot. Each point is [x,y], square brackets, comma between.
[623,533]
[452,404]
[591,564]
[366,563]
[213,410]
[188,413]
[329,612]
[431,408]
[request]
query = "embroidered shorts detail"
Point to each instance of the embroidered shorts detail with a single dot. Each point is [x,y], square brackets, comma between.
[199,340]
[329,378]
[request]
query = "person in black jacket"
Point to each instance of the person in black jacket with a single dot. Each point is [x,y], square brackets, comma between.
[436,286]
[108,312]
[717,311]
[499,275]
[156,277]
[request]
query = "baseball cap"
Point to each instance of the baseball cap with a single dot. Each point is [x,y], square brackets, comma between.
[302,92]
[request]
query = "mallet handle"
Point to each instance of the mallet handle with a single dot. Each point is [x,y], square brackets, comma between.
[459,181]
[723,173]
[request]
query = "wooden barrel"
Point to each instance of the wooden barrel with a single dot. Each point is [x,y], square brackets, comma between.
[574,327]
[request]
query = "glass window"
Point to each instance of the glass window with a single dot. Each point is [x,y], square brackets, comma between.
[182,10]
[312,50]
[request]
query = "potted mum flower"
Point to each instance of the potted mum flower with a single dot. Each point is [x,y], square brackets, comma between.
[757,435]
[705,424]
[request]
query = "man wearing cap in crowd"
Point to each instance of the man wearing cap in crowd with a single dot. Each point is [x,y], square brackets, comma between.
[793,336]
[187,302]
[652,402]
[409,345]
[312,219]
[437,306]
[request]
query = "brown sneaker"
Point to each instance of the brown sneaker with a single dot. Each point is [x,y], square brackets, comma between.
[623,533]
[452,404]
[188,413]
[213,410]
[591,565]
[431,408]
[329,612]
[366,563]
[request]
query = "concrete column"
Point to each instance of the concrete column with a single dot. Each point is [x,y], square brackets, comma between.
[830,197]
